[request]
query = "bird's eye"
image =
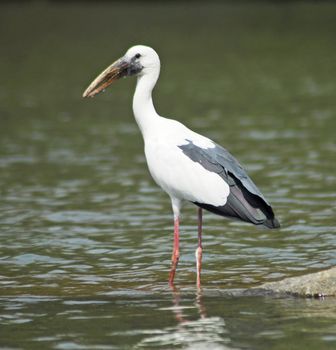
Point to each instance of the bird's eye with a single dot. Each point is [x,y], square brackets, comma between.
[137,55]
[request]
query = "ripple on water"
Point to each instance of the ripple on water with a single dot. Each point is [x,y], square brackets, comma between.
[207,332]
[79,216]
[26,259]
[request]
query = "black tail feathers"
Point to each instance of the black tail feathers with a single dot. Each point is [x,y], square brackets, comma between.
[272,223]
[246,206]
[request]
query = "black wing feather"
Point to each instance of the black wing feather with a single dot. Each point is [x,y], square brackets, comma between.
[245,201]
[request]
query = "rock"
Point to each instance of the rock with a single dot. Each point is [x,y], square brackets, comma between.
[318,284]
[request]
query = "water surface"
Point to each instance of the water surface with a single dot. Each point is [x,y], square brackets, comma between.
[86,235]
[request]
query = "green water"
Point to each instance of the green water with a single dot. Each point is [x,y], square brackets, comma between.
[85,234]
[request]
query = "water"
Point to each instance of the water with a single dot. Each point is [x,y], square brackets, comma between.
[86,236]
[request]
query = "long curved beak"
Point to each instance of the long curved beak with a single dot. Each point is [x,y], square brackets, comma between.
[115,71]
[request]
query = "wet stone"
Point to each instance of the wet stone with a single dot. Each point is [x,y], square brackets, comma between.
[313,285]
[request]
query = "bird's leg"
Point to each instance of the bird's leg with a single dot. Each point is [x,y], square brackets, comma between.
[176,251]
[198,252]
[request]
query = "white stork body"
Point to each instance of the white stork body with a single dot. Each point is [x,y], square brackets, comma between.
[178,175]
[173,171]
[186,165]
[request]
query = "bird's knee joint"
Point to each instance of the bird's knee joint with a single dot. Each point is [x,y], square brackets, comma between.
[176,256]
[198,252]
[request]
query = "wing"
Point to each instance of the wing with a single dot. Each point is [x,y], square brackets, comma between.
[245,201]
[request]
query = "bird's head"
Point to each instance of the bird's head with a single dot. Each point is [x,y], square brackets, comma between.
[138,60]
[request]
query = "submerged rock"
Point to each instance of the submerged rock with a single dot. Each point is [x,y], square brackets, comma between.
[318,284]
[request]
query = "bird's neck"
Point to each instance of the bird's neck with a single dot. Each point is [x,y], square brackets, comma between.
[143,108]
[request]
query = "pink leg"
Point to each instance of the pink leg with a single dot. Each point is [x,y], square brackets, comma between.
[198,252]
[176,252]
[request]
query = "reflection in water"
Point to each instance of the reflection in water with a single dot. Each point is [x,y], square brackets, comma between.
[193,330]
[165,319]
[178,310]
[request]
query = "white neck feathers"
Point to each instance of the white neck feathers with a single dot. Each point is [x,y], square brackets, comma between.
[143,108]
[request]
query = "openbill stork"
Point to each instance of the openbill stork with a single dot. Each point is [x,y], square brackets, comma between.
[188,166]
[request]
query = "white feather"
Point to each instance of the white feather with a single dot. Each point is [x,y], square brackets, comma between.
[175,172]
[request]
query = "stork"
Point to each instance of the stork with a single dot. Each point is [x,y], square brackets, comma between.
[189,167]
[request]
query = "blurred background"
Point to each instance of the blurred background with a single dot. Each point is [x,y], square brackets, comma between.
[85,234]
